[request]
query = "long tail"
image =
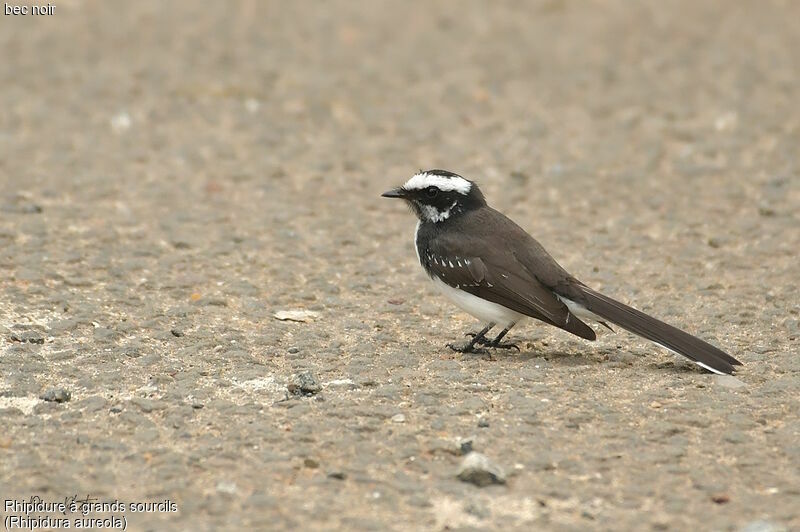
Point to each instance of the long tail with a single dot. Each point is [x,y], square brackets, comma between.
[702,353]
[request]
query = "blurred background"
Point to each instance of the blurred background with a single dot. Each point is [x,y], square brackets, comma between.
[172,174]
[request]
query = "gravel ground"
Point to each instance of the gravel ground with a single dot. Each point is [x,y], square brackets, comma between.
[175,173]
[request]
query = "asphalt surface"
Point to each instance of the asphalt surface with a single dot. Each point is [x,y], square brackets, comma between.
[173,174]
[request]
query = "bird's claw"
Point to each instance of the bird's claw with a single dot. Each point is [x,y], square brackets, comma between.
[468,348]
[488,343]
[503,346]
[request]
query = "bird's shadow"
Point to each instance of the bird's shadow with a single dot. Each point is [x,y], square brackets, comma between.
[561,358]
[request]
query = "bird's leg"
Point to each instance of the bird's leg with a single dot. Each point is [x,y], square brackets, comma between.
[477,339]
[496,342]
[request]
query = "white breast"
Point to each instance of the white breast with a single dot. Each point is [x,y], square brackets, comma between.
[484,310]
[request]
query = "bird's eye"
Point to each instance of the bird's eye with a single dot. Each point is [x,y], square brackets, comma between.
[431,192]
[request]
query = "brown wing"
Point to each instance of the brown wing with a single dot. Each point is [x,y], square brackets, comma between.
[501,279]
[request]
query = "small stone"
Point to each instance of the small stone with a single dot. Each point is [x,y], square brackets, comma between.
[177,333]
[419,500]
[302,316]
[228,488]
[465,445]
[213,302]
[483,423]
[56,395]
[478,510]
[763,526]
[147,405]
[477,469]
[33,337]
[30,208]
[132,351]
[520,176]
[766,211]
[252,105]
[304,384]
[294,350]
[728,381]
[120,122]
[456,447]
[310,463]
[93,403]
[721,498]
[736,436]
[337,475]
[398,418]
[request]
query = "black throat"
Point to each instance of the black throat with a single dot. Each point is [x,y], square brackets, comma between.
[428,234]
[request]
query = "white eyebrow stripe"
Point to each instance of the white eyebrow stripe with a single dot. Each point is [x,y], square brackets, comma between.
[445,184]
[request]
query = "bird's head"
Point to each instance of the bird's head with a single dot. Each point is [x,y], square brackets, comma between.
[437,195]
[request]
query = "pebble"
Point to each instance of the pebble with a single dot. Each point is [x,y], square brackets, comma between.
[478,510]
[304,384]
[148,405]
[32,337]
[302,316]
[226,487]
[92,403]
[729,381]
[477,469]
[56,395]
[398,418]
[483,423]
[457,446]
[763,526]
[465,445]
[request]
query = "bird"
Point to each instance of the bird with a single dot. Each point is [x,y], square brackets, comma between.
[492,269]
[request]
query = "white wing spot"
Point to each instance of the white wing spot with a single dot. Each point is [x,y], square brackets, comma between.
[450,263]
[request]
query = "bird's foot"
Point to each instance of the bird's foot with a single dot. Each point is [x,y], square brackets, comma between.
[493,344]
[469,347]
[498,345]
